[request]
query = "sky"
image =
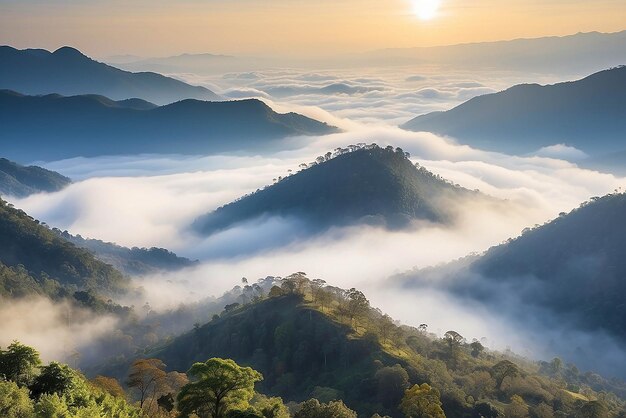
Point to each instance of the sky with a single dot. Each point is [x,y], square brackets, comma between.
[296,28]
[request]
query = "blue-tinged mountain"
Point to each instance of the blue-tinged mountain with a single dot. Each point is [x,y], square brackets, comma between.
[572,269]
[588,114]
[20,181]
[35,260]
[369,184]
[67,71]
[54,127]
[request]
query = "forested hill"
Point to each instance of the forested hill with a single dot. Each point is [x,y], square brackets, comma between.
[19,181]
[569,273]
[67,71]
[358,184]
[131,261]
[56,127]
[587,114]
[576,262]
[310,340]
[35,260]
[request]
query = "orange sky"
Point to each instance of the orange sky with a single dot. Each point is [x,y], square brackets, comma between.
[289,27]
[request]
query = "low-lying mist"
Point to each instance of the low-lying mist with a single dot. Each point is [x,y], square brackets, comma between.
[153,200]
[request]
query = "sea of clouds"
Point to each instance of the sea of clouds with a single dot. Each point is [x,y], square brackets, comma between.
[152,200]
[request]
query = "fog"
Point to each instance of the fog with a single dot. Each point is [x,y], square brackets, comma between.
[56,329]
[151,200]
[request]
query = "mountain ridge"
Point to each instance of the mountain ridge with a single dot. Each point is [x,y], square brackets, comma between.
[68,71]
[56,127]
[586,114]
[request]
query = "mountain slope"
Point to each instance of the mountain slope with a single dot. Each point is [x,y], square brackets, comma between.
[132,261]
[33,258]
[17,180]
[311,340]
[67,71]
[587,114]
[572,269]
[369,184]
[55,127]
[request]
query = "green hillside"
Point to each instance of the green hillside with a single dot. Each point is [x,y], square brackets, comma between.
[35,260]
[313,341]
[356,184]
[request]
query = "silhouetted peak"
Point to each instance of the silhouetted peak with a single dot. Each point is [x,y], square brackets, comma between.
[69,52]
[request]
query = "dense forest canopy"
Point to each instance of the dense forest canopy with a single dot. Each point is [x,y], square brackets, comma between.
[360,183]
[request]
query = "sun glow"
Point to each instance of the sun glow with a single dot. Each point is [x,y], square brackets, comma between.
[425,9]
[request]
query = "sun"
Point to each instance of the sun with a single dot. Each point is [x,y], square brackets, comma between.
[425,9]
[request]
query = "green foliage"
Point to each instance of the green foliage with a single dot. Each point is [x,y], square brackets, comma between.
[56,392]
[19,363]
[218,386]
[35,260]
[62,380]
[14,401]
[334,409]
[306,345]
[422,401]
[392,383]
[353,183]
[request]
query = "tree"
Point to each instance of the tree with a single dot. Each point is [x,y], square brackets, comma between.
[109,385]
[422,401]
[454,340]
[218,385]
[146,377]
[270,407]
[486,410]
[517,408]
[60,379]
[503,369]
[14,401]
[477,348]
[392,383]
[357,304]
[314,409]
[593,409]
[19,363]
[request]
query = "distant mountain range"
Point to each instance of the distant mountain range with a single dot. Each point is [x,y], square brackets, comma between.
[55,127]
[571,269]
[574,54]
[35,260]
[67,71]
[20,181]
[588,114]
[132,261]
[368,184]
[188,63]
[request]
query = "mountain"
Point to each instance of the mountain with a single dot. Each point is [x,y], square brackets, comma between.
[35,260]
[571,269]
[587,114]
[55,127]
[67,71]
[19,181]
[187,63]
[132,261]
[310,340]
[357,184]
[581,53]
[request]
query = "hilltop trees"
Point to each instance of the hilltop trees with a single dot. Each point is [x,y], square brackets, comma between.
[218,385]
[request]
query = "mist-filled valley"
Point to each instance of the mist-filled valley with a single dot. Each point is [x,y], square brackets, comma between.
[402,232]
